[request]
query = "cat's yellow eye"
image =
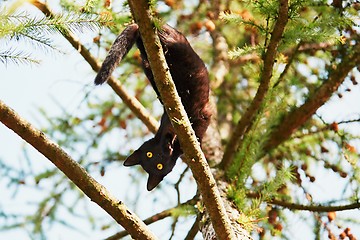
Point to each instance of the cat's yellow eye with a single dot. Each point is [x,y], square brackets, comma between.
[149,154]
[159,166]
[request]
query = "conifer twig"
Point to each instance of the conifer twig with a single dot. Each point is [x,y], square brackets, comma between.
[291,57]
[75,172]
[315,208]
[135,106]
[304,47]
[17,57]
[194,156]
[312,207]
[268,59]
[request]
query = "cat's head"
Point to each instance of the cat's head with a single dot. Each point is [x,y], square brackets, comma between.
[155,158]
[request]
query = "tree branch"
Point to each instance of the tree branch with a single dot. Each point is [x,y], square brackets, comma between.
[156,217]
[193,230]
[76,173]
[315,208]
[269,59]
[300,115]
[135,106]
[312,208]
[189,144]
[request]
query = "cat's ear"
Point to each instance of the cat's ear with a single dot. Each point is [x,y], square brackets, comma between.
[153,181]
[133,159]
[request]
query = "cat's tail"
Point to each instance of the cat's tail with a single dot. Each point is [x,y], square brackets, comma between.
[118,50]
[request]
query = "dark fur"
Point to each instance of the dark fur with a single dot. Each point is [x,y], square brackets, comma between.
[192,83]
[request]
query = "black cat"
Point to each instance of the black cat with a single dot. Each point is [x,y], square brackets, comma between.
[158,155]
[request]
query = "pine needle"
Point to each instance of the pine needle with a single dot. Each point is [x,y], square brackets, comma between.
[16,57]
[37,32]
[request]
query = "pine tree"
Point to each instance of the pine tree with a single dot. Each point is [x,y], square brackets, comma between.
[274,65]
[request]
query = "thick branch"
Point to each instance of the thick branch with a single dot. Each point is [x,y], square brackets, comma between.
[76,173]
[135,106]
[300,115]
[269,58]
[189,144]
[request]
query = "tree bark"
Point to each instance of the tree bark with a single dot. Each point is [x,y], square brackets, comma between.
[194,156]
